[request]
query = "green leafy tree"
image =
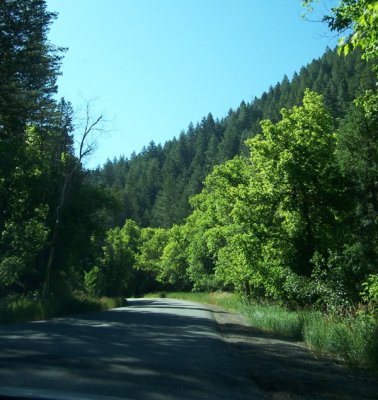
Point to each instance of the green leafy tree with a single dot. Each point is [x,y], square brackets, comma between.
[150,252]
[357,156]
[359,16]
[94,281]
[173,262]
[259,218]
[212,228]
[117,264]
[294,192]
[152,244]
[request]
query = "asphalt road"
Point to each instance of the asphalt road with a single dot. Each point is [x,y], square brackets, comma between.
[153,349]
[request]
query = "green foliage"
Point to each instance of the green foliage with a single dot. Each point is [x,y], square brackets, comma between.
[152,244]
[292,173]
[148,258]
[118,261]
[10,270]
[94,281]
[272,225]
[370,291]
[358,136]
[361,16]
[23,241]
[173,263]
[37,156]
[357,156]
[263,223]
[210,231]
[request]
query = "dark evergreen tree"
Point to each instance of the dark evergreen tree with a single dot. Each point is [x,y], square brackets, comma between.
[46,222]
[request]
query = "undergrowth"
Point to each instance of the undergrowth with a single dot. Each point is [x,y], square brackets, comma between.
[21,308]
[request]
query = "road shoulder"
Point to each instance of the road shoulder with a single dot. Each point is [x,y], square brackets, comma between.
[287,370]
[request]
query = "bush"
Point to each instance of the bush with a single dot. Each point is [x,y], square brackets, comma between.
[93,281]
[370,293]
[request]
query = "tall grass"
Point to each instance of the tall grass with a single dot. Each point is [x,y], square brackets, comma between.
[22,309]
[353,340]
[274,319]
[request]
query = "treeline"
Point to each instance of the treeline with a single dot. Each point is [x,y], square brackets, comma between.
[153,187]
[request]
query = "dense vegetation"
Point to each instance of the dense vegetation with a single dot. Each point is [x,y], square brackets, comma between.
[50,215]
[278,201]
[282,193]
[287,209]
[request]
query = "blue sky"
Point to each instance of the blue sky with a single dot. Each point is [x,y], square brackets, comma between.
[153,66]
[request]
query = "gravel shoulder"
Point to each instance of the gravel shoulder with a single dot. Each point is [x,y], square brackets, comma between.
[287,370]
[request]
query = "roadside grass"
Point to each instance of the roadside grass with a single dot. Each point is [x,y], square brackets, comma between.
[353,340]
[275,319]
[228,301]
[23,309]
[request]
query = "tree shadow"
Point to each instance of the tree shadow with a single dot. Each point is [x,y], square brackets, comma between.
[137,352]
[286,369]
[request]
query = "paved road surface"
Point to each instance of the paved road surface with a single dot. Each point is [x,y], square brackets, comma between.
[153,349]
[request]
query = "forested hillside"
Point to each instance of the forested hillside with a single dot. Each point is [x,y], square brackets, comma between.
[154,187]
[277,201]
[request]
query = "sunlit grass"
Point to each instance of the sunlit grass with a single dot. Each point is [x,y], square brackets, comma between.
[228,301]
[274,319]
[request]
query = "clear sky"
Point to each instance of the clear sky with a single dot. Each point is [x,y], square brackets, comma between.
[153,66]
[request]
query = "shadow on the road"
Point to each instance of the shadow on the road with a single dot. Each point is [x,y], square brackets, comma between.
[285,369]
[169,304]
[149,350]
[134,353]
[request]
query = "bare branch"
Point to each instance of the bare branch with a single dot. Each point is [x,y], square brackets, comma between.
[84,150]
[89,127]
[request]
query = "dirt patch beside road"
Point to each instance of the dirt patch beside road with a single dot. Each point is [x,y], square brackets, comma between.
[287,370]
